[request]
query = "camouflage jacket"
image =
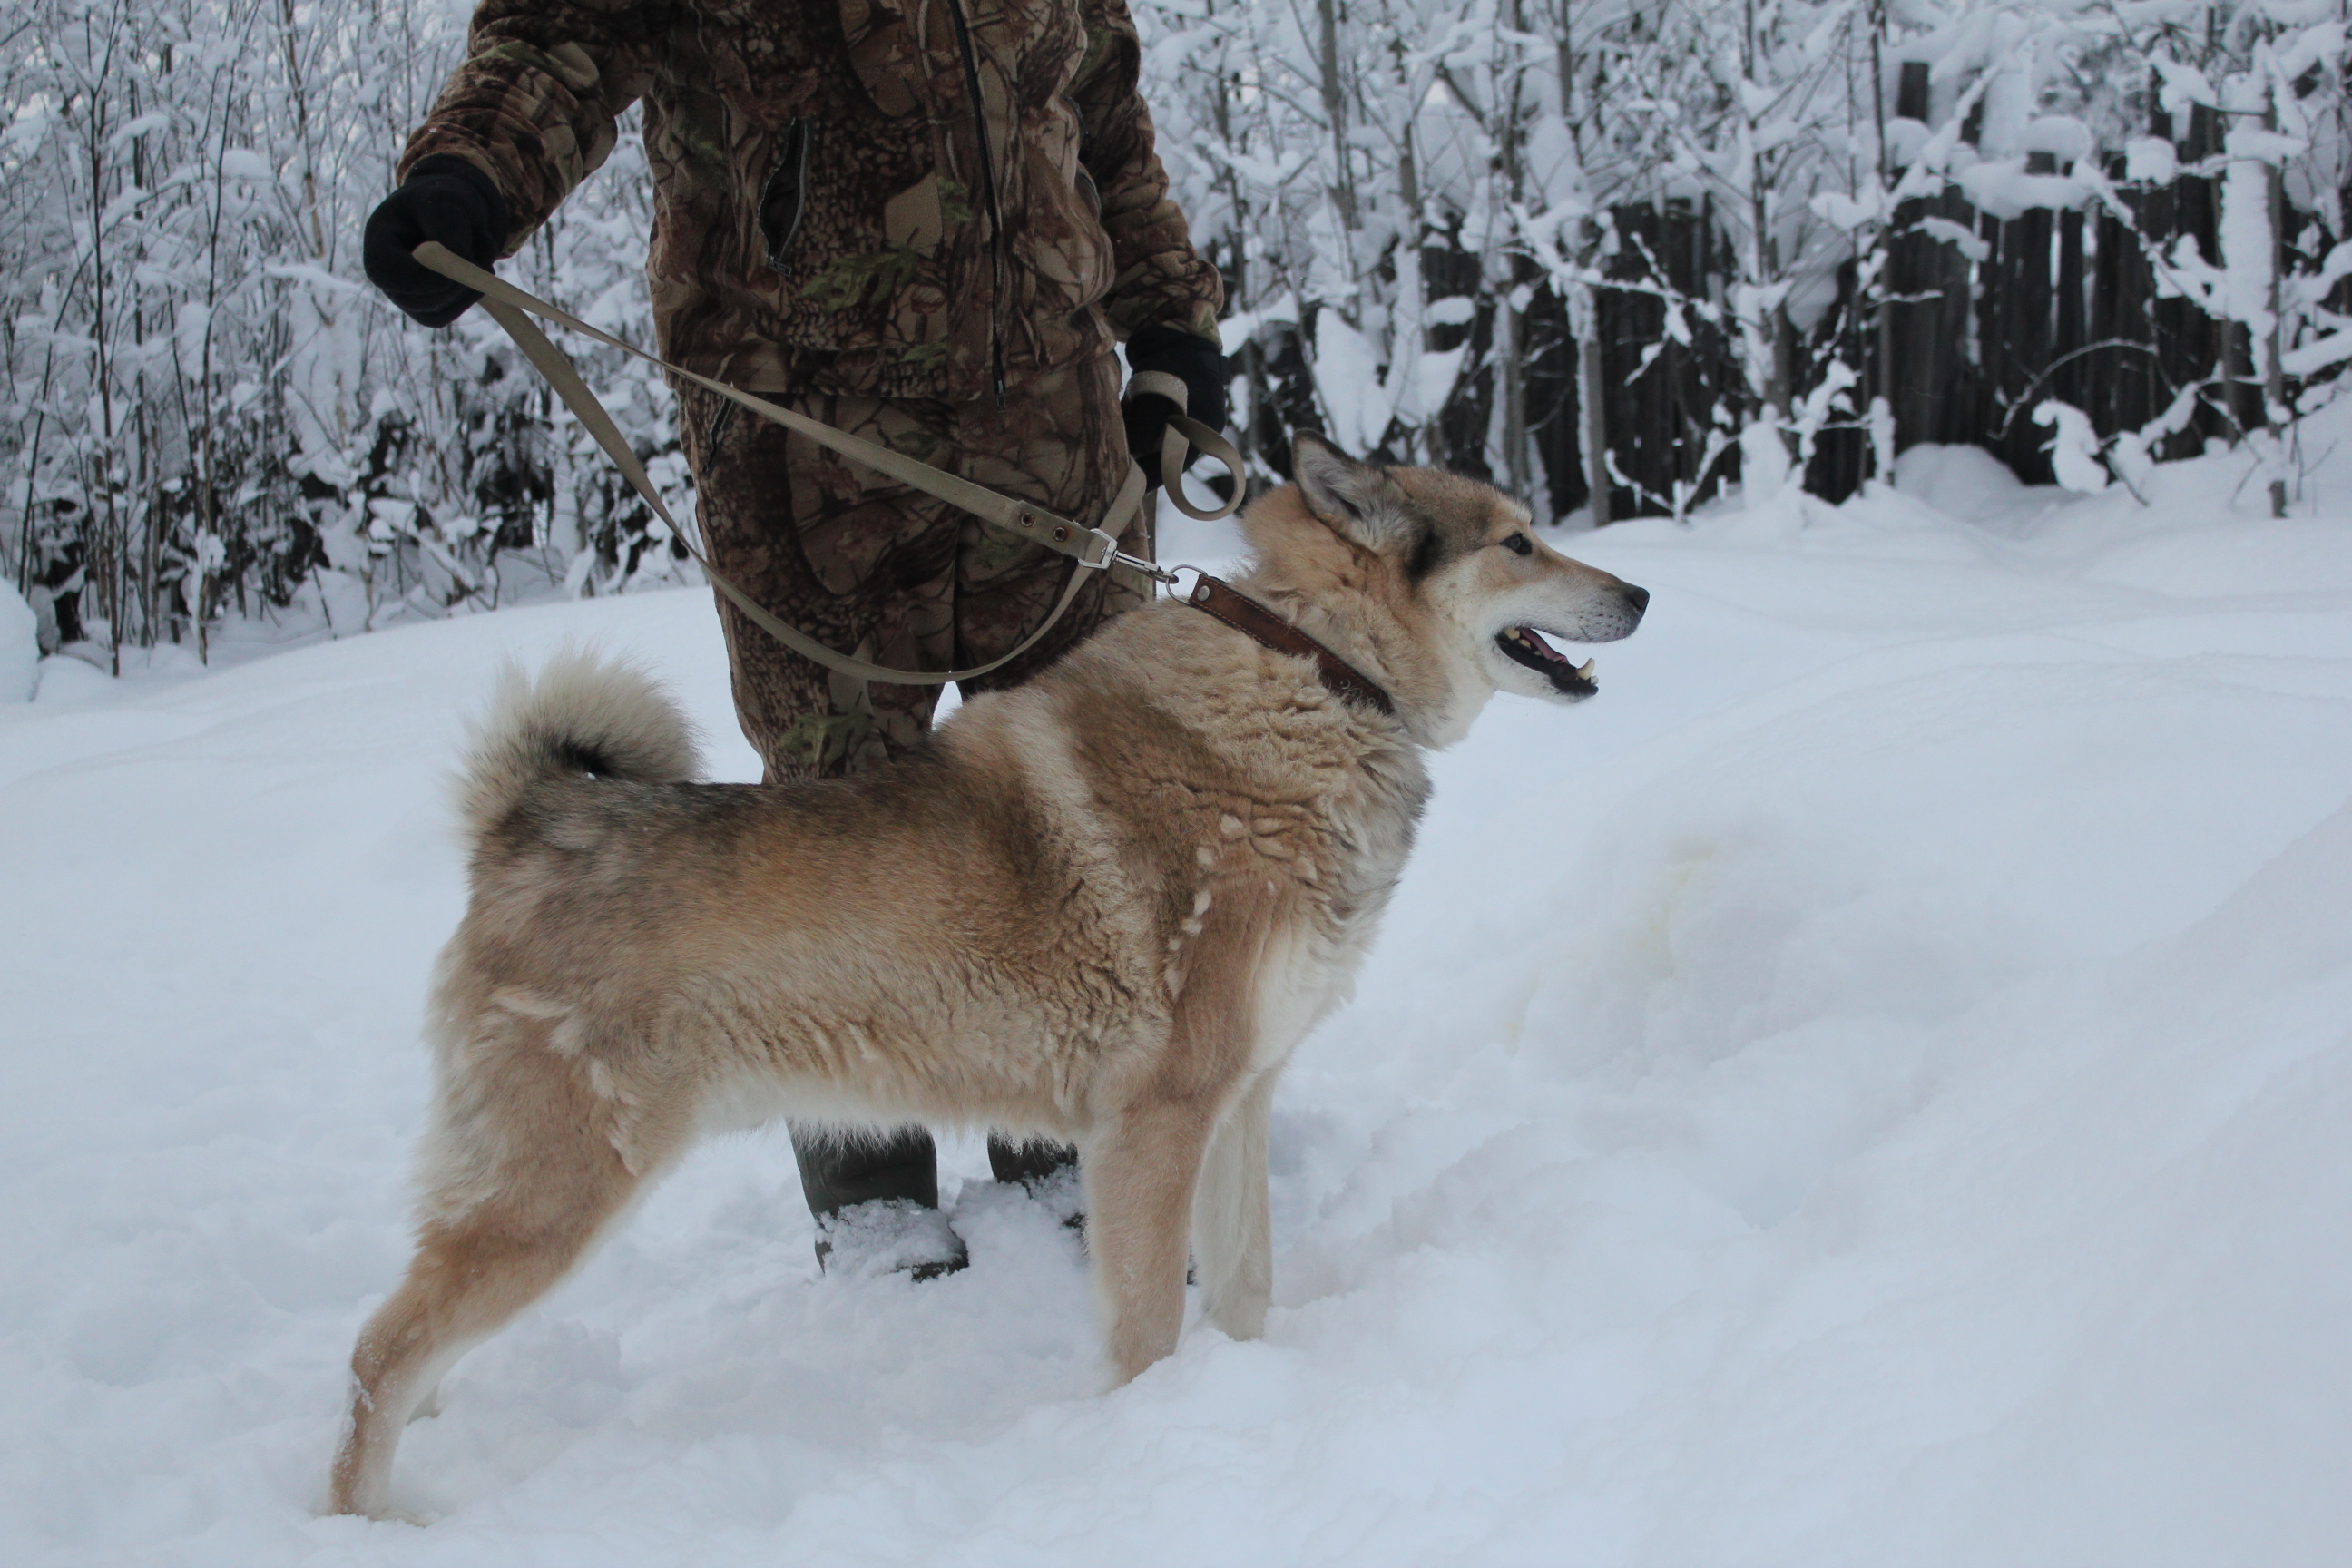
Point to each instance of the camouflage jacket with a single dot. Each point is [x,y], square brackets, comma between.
[825,193]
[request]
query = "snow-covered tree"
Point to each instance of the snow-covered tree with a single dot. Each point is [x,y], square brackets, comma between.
[1610,254]
[206,410]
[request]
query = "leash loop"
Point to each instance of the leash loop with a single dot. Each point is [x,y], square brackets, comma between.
[1183,430]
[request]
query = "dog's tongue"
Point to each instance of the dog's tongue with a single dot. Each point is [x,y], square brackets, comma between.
[1535,641]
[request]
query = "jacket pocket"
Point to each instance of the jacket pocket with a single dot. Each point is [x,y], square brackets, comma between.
[784,200]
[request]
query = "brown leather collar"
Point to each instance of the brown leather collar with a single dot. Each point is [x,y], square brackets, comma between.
[1254,620]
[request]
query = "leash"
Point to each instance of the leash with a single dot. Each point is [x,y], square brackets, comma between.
[1091,549]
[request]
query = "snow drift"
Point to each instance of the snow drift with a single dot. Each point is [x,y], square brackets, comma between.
[1868,1088]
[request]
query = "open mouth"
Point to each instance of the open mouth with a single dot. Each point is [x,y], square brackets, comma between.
[1527,646]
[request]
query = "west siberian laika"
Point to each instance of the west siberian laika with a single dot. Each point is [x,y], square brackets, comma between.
[1103,907]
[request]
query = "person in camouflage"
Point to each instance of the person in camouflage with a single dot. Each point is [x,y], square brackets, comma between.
[923,221]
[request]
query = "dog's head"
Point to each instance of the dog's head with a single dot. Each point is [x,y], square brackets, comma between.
[1458,568]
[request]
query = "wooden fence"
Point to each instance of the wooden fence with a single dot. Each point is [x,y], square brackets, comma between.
[2049,304]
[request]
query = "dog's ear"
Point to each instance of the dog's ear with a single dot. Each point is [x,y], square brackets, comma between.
[1355,500]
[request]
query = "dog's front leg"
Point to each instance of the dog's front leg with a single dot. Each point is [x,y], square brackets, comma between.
[1139,1173]
[1143,1161]
[1232,1241]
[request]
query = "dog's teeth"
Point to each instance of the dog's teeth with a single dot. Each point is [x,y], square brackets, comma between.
[1585,673]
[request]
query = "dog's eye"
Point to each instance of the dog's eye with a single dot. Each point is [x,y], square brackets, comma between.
[1518,544]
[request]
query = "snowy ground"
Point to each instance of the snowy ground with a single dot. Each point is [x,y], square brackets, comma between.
[1872,1088]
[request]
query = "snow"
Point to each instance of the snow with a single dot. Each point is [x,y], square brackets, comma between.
[2249,240]
[1867,1088]
[1964,482]
[2150,158]
[62,677]
[20,646]
[2074,446]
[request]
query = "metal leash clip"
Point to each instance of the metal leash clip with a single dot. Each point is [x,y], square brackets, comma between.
[1163,575]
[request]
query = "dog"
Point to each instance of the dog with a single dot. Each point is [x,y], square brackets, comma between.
[1103,907]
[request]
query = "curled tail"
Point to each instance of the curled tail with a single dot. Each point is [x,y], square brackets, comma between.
[584,714]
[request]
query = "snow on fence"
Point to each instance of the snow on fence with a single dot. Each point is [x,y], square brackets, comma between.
[1613,255]
[1977,258]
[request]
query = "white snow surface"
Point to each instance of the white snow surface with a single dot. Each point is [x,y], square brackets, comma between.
[1870,1087]
[20,646]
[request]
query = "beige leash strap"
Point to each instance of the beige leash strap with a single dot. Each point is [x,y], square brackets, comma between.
[1091,548]
[1183,428]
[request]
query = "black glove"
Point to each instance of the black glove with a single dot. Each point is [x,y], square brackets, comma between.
[1192,359]
[446,198]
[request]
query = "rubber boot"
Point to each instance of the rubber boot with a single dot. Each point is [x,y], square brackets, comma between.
[1049,1170]
[1027,1163]
[876,1202]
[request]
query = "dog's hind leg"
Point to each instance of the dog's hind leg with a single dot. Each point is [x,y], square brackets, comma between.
[527,1180]
[1232,1242]
[466,1280]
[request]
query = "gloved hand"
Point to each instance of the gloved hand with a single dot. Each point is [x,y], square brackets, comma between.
[446,198]
[1196,360]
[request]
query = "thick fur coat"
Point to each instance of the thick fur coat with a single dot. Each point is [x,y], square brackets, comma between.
[1103,907]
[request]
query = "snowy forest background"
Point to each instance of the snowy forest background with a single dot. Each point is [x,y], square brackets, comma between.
[1616,255]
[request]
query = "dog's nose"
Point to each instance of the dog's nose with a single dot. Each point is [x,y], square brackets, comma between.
[1640,597]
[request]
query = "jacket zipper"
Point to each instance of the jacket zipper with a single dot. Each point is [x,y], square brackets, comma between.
[988,194]
[792,164]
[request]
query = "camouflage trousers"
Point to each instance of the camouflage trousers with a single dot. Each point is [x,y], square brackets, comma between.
[889,575]
[893,576]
